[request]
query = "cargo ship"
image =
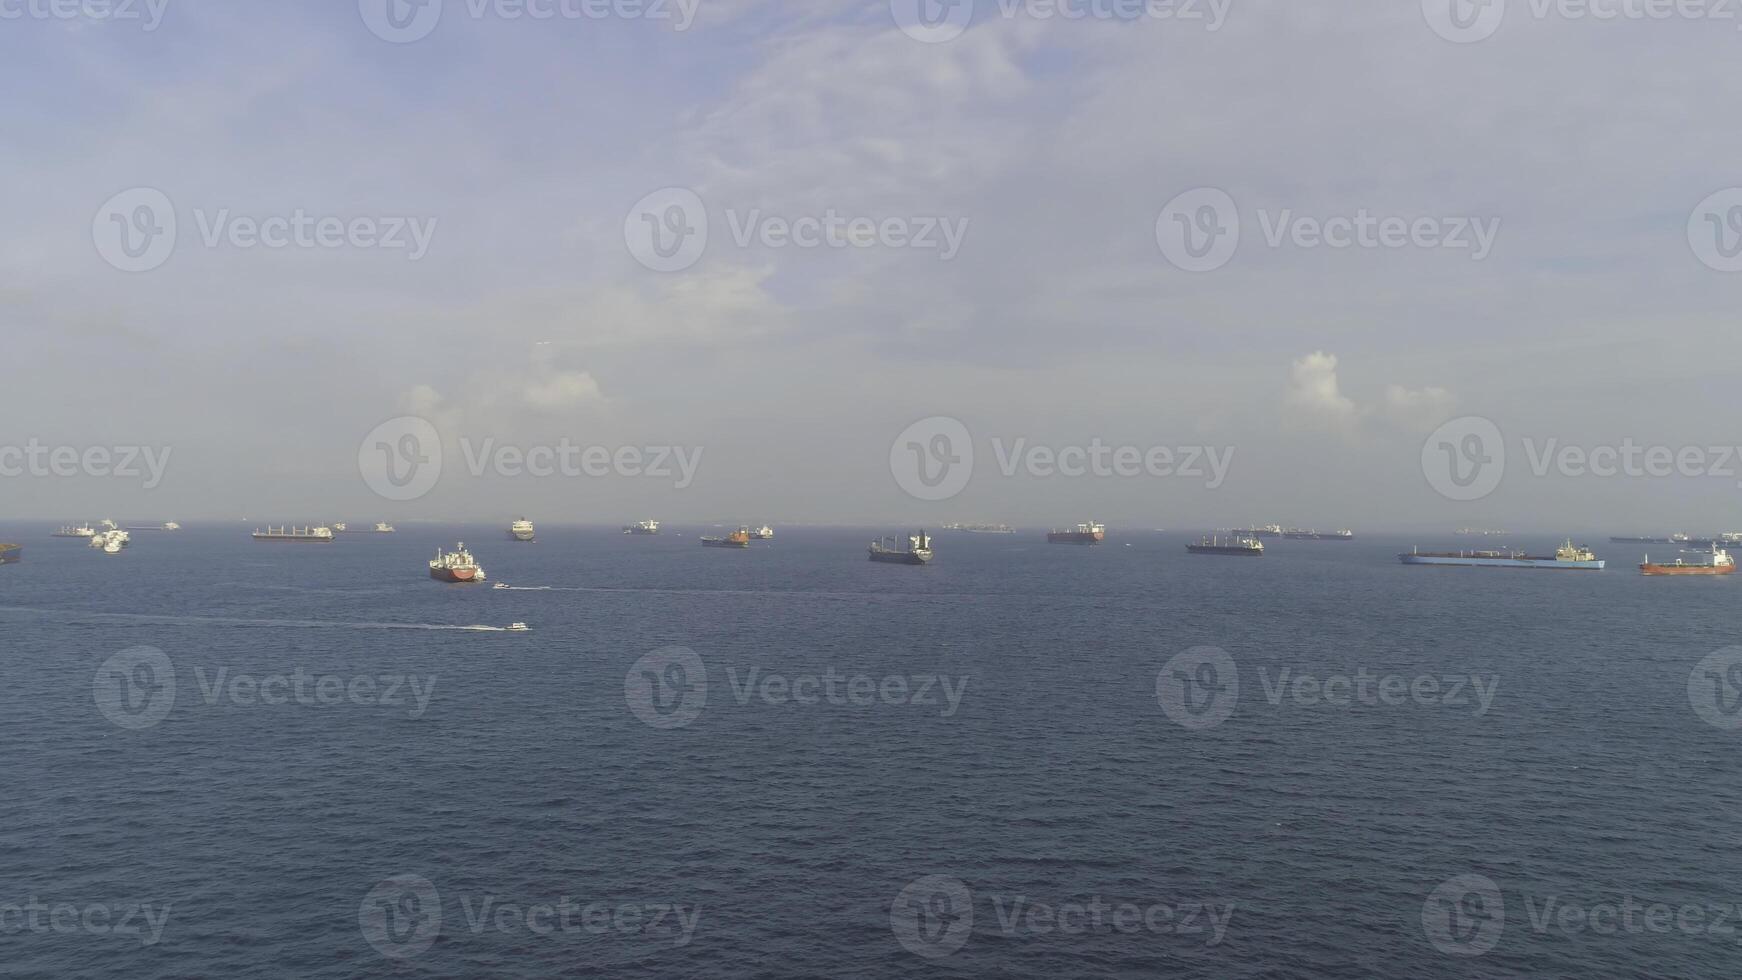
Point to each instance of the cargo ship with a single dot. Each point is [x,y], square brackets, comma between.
[339,527]
[521,530]
[1479,532]
[384,528]
[1090,533]
[917,552]
[1567,556]
[81,531]
[1243,545]
[1297,534]
[642,527]
[1263,531]
[315,535]
[456,566]
[737,539]
[1671,539]
[1714,562]
[11,554]
[763,533]
[981,528]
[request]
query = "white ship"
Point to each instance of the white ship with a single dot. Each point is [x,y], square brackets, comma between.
[340,527]
[383,528]
[110,542]
[80,531]
[763,533]
[521,530]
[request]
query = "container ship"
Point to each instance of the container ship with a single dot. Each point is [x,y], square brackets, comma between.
[1715,562]
[737,539]
[521,530]
[316,535]
[1240,544]
[763,533]
[917,552]
[456,566]
[1090,533]
[1297,534]
[11,554]
[1567,556]
[981,528]
[642,527]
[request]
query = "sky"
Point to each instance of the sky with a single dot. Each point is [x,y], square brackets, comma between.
[855,261]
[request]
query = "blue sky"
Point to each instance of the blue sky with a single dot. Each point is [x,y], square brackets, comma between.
[524,144]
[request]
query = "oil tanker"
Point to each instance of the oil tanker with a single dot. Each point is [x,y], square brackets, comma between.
[1090,533]
[1240,544]
[1715,562]
[456,566]
[917,552]
[317,535]
[1567,556]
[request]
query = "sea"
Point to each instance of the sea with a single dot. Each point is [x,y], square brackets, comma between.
[226,758]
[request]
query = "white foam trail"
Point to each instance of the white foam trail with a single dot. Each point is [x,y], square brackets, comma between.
[74,616]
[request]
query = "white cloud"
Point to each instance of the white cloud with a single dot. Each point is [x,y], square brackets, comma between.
[1314,394]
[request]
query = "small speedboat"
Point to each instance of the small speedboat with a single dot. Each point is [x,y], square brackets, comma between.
[518,628]
[501,585]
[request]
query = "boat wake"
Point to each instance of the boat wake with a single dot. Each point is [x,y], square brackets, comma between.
[80,617]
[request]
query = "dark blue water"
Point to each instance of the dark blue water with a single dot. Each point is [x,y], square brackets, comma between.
[1057,820]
